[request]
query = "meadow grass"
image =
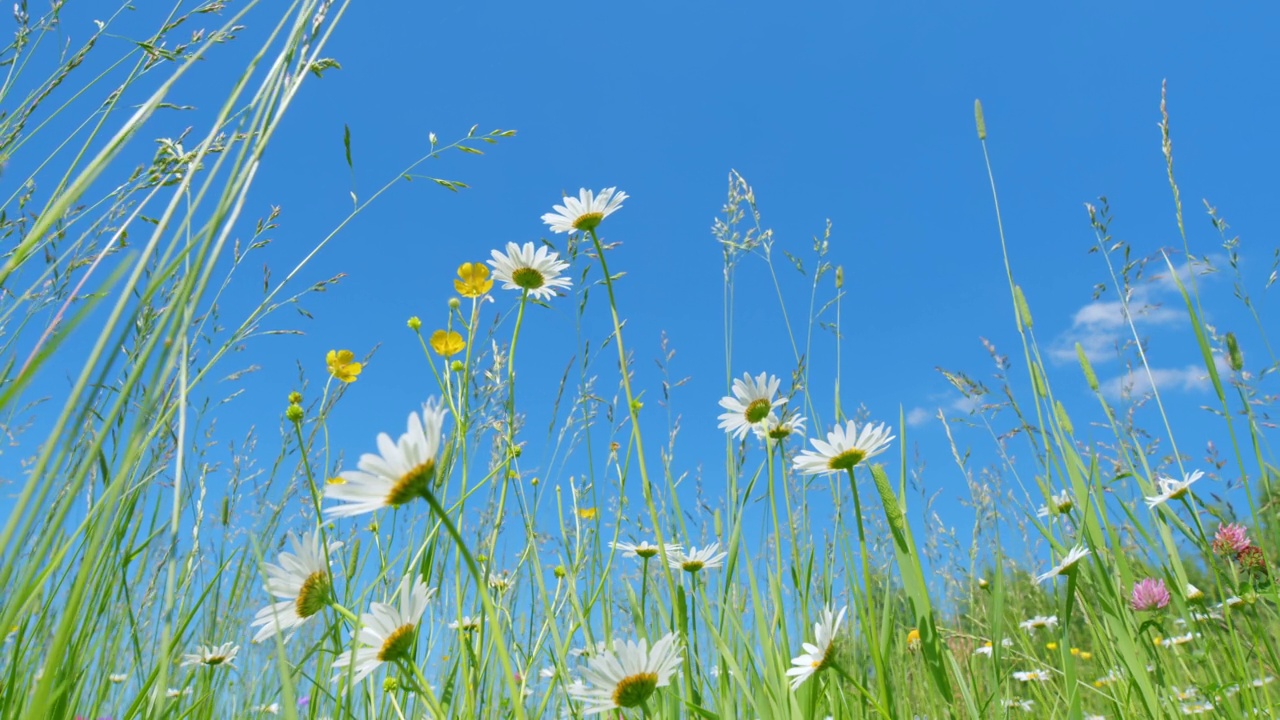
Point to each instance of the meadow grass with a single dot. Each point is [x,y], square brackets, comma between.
[154,569]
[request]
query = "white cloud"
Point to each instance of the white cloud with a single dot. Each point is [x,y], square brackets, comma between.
[1138,381]
[1100,326]
[918,416]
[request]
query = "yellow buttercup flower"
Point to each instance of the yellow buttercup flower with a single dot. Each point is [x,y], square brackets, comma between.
[1075,651]
[913,639]
[447,342]
[588,513]
[1086,655]
[473,280]
[342,365]
[1051,646]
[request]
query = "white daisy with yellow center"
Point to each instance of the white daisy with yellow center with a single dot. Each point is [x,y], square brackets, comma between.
[212,656]
[1171,489]
[627,675]
[301,580]
[750,405]
[708,558]
[846,447]
[584,212]
[780,428]
[536,271]
[401,470]
[643,550]
[817,655]
[387,632]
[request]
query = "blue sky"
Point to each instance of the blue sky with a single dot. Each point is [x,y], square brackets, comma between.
[860,115]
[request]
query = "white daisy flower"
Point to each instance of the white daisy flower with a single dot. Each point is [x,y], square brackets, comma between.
[589,651]
[1061,504]
[751,404]
[584,212]
[779,428]
[1178,640]
[117,678]
[524,269]
[547,673]
[1171,489]
[1191,693]
[844,449]
[1075,555]
[1197,708]
[302,580]
[1023,705]
[212,655]
[177,692]
[1039,621]
[816,656]
[272,709]
[708,558]
[643,550]
[467,623]
[1032,675]
[401,470]
[387,632]
[501,582]
[628,675]
[1194,593]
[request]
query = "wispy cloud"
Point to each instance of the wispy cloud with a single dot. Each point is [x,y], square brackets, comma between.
[1138,381]
[918,416]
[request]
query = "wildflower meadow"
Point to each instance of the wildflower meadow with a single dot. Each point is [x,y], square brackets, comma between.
[523,531]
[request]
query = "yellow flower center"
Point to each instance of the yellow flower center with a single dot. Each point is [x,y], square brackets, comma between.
[415,483]
[634,689]
[314,594]
[1179,492]
[847,459]
[692,565]
[646,552]
[215,660]
[588,221]
[528,278]
[758,410]
[780,432]
[397,644]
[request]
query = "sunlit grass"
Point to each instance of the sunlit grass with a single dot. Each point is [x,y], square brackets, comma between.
[153,568]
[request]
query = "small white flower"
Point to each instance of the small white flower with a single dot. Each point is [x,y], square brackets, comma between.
[302,580]
[387,632]
[177,692]
[1039,621]
[117,678]
[1061,504]
[1032,675]
[272,709]
[816,655]
[547,673]
[708,558]
[401,470]
[750,405]
[537,272]
[466,623]
[627,675]
[1194,593]
[1075,555]
[1023,705]
[643,550]
[1190,693]
[844,448]
[1178,640]
[584,212]
[212,655]
[1197,708]
[1171,489]
[779,428]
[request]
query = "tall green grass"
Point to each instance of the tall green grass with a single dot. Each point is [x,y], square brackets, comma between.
[131,540]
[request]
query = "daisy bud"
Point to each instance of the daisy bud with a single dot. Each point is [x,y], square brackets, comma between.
[454,303]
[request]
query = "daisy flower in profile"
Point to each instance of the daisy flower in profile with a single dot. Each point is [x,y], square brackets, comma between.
[627,675]
[750,405]
[708,558]
[1178,640]
[844,449]
[1075,555]
[1016,704]
[1039,621]
[301,581]
[212,655]
[1197,708]
[584,212]
[1193,593]
[272,709]
[1171,489]
[1060,504]
[466,624]
[817,655]
[387,631]
[521,268]
[343,366]
[779,428]
[1032,675]
[402,470]
[1149,594]
[644,550]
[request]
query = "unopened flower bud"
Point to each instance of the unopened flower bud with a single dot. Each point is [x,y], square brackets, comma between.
[414,323]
